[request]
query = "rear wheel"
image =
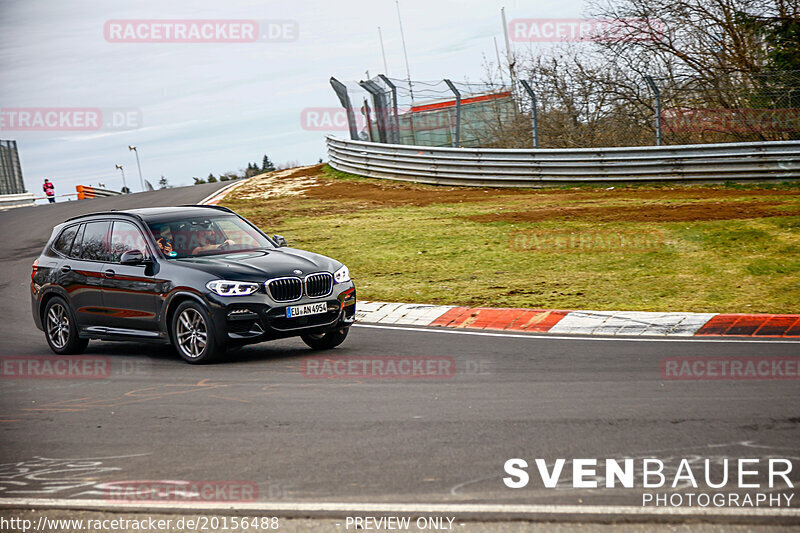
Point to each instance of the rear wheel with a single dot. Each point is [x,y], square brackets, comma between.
[60,328]
[192,334]
[325,341]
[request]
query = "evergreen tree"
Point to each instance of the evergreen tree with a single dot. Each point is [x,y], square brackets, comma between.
[252,170]
[267,165]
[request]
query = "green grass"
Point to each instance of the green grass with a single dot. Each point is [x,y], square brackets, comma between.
[433,254]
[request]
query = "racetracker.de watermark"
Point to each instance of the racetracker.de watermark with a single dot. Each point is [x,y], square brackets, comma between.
[585,30]
[730,368]
[586,241]
[69,119]
[181,491]
[70,367]
[378,367]
[200,31]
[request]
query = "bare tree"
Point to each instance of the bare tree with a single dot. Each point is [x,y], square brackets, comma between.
[724,69]
[710,55]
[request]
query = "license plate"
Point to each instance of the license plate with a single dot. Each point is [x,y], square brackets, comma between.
[305,310]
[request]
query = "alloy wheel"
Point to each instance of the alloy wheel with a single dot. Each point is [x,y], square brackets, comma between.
[58,325]
[191,333]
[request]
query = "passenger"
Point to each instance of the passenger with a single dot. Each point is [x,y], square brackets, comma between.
[164,240]
[165,245]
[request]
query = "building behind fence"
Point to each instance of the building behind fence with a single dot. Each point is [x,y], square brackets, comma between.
[753,108]
[10,169]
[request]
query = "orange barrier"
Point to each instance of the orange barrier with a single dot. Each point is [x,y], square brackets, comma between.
[85,191]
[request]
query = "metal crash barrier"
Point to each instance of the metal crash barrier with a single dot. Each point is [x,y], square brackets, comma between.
[494,167]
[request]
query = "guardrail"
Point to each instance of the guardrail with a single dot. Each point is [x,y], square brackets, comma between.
[491,167]
[84,191]
[7,201]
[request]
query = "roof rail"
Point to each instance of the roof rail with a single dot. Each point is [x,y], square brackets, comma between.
[101,213]
[217,207]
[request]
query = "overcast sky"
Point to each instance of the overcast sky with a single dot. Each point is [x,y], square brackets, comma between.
[212,107]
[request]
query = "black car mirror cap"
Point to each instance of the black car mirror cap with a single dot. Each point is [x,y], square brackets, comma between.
[279,239]
[132,257]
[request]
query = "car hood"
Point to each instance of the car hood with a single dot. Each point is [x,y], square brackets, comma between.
[261,265]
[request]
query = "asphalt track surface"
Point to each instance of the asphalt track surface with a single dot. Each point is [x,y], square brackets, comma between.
[258,418]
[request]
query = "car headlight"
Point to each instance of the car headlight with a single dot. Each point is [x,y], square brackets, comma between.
[342,275]
[231,288]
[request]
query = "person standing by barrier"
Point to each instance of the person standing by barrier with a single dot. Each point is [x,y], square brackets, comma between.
[50,190]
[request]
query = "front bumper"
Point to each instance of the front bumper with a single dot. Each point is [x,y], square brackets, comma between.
[256,318]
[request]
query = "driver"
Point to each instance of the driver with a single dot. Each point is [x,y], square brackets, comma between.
[210,236]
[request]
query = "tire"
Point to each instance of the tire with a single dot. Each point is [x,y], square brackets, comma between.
[60,328]
[325,341]
[193,334]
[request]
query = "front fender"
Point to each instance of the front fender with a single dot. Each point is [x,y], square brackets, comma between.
[180,294]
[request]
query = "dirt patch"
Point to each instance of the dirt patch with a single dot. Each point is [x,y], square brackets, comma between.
[651,213]
[311,170]
[397,195]
[290,182]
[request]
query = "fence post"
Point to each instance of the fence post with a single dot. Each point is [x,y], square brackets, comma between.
[396,120]
[381,114]
[534,119]
[365,111]
[458,111]
[657,94]
[341,91]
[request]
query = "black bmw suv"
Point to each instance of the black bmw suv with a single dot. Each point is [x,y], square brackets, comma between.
[200,277]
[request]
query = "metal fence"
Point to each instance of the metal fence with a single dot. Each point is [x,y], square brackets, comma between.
[430,113]
[760,161]
[543,112]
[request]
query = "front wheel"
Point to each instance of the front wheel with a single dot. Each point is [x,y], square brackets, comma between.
[61,330]
[325,341]
[193,335]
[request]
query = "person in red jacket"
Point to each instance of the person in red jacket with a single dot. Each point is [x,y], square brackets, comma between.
[50,190]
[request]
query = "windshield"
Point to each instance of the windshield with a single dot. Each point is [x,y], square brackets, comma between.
[203,236]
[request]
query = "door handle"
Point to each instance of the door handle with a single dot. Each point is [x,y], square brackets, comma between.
[66,268]
[109,273]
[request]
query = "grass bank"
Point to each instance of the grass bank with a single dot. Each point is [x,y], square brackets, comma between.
[651,248]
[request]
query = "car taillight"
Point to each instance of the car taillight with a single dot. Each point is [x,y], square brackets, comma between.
[34,268]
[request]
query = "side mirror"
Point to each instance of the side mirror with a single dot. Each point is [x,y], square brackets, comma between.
[279,239]
[132,257]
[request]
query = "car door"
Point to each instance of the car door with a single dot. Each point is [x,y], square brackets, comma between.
[81,273]
[130,292]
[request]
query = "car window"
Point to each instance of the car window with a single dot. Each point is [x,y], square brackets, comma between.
[76,245]
[125,237]
[94,246]
[241,235]
[210,235]
[63,244]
